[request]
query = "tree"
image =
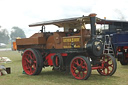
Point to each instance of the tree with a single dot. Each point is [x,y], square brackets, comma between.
[4,36]
[17,32]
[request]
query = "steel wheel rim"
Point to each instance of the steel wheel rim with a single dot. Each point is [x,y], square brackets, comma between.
[29,62]
[79,68]
[108,66]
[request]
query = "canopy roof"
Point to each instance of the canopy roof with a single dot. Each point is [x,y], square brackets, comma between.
[104,21]
[74,22]
[64,22]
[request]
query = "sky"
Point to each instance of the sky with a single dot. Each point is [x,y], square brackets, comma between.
[21,13]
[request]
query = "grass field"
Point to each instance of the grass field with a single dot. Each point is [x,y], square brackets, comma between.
[49,77]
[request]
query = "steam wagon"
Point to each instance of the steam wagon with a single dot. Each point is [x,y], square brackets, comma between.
[76,49]
[116,38]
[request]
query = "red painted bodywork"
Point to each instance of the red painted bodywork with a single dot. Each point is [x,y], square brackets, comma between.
[125,47]
[49,59]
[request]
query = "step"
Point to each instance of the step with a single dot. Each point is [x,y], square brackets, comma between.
[109,53]
[108,49]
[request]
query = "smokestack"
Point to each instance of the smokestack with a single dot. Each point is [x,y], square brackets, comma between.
[93,25]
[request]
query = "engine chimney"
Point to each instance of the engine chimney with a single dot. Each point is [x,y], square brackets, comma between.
[93,25]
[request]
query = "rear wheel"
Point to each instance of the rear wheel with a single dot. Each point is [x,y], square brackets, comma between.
[110,65]
[123,59]
[80,67]
[40,61]
[31,62]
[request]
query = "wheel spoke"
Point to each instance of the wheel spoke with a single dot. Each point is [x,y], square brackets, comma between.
[27,68]
[28,56]
[108,70]
[81,62]
[27,60]
[74,62]
[31,69]
[84,74]
[77,63]
[35,61]
[81,74]
[84,66]
[108,60]
[110,65]
[74,67]
[78,74]
[26,64]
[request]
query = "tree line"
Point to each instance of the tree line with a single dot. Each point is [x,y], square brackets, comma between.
[5,37]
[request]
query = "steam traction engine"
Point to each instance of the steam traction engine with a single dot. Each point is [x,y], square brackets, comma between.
[76,49]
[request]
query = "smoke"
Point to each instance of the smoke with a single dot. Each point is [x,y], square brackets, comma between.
[120,14]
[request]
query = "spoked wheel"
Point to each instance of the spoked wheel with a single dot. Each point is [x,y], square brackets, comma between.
[31,62]
[80,67]
[110,65]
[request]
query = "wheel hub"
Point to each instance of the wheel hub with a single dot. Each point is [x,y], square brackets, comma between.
[105,65]
[79,68]
[31,61]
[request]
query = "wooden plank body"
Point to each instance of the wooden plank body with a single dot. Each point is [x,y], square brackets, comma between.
[31,41]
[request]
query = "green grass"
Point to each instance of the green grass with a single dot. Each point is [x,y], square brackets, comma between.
[49,77]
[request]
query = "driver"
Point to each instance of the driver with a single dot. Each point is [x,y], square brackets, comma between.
[71,32]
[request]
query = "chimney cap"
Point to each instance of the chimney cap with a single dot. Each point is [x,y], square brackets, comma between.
[92,15]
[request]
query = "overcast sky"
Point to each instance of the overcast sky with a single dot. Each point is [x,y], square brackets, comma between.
[21,13]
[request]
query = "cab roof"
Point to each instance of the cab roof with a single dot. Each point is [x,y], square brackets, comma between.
[104,21]
[64,22]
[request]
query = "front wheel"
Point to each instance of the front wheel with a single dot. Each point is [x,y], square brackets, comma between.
[110,65]
[80,67]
